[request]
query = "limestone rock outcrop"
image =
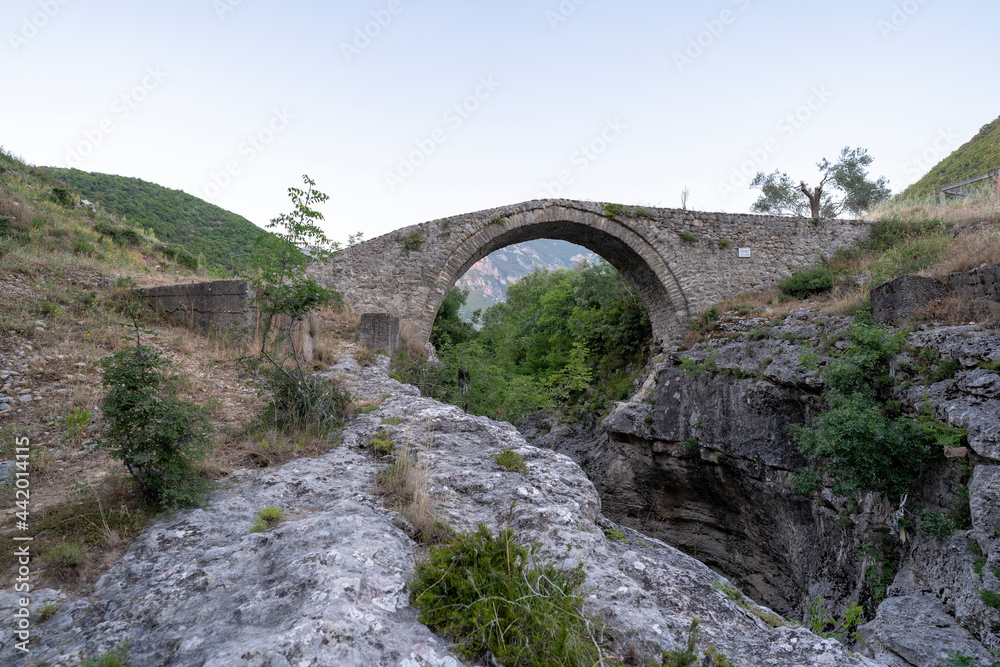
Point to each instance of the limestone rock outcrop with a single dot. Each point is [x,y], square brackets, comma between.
[327,586]
[702,457]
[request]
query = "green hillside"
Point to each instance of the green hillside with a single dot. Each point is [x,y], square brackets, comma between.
[974,158]
[174,216]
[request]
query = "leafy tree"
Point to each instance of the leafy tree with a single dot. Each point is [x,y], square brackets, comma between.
[848,175]
[449,328]
[285,295]
[278,262]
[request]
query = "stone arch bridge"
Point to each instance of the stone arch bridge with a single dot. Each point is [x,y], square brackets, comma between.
[678,261]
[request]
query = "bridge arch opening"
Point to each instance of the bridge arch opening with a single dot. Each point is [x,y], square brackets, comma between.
[634,258]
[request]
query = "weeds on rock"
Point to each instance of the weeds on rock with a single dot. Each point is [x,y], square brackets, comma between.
[990,598]
[404,486]
[492,596]
[267,517]
[113,658]
[615,535]
[736,595]
[382,443]
[47,611]
[687,655]
[512,461]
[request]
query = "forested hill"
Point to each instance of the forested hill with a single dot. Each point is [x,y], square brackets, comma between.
[977,156]
[174,216]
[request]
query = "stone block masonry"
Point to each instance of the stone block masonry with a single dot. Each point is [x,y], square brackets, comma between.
[380,331]
[679,262]
[220,305]
[224,306]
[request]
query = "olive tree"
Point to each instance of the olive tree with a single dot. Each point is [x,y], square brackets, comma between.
[847,178]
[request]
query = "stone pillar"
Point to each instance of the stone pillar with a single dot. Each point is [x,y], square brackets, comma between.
[305,335]
[380,331]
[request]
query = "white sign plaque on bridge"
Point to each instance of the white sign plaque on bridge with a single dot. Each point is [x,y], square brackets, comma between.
[744,252]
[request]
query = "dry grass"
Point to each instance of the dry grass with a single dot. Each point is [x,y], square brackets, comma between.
[957,309]
[256,448]
[404,485]
[982,208]
[409,343]
[970,250]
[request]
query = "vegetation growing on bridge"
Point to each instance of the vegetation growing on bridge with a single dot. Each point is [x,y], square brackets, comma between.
[569,339]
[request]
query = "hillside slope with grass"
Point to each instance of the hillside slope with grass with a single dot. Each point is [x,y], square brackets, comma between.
[977,156]
[174,217]
[67,275]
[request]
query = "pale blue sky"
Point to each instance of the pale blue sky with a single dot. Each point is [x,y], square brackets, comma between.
[662,95]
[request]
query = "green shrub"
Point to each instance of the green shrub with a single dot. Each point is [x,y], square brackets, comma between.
[691,447]
[47,611]
[725,243]
[491,595]
[864,446]
[62,196]
[866,450]
[512,461]
[934,524]
[121,235]
[298,399]
[688,237]
[804,284]
[805,482]
[759,333]
[392,421]
[148,428]
[615,535]
[66,555]
[267,517]
[113,658]
[382,443]
[614,210]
